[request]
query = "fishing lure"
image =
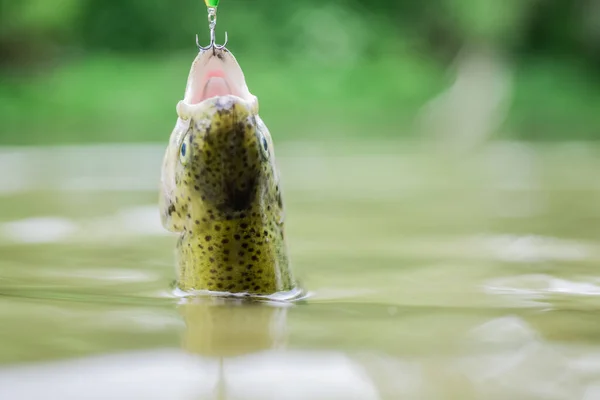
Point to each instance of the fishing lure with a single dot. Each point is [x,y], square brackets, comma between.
[211,5]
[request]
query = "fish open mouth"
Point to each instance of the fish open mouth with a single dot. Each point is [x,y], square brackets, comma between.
[215,73]
[215,85]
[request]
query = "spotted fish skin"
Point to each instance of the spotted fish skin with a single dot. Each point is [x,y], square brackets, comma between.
[221,193]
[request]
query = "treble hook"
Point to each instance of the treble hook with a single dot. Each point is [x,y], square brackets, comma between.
[212,22]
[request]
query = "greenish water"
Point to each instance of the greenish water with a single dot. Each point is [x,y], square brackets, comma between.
[431,276]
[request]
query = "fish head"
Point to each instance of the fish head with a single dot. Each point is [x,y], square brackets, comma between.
[220,161]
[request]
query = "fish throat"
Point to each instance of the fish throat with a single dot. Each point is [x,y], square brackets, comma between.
[228,171]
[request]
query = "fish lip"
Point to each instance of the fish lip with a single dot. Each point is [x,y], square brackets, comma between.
[205,108]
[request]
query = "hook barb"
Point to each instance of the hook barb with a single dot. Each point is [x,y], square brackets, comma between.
[212,43]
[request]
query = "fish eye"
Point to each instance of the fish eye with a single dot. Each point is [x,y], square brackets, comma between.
[184,150]
[264,145]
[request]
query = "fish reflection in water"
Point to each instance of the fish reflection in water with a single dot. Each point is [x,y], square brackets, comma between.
[231,350]
[235,350]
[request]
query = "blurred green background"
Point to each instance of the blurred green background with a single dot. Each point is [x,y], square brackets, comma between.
[113,70]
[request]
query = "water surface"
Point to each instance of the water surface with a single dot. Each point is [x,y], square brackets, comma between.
[430,276]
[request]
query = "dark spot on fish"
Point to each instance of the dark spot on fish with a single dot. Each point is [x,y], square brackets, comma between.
[171,209]
[208,238]
[238,198]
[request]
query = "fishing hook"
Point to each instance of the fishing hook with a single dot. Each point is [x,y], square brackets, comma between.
[212,22]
